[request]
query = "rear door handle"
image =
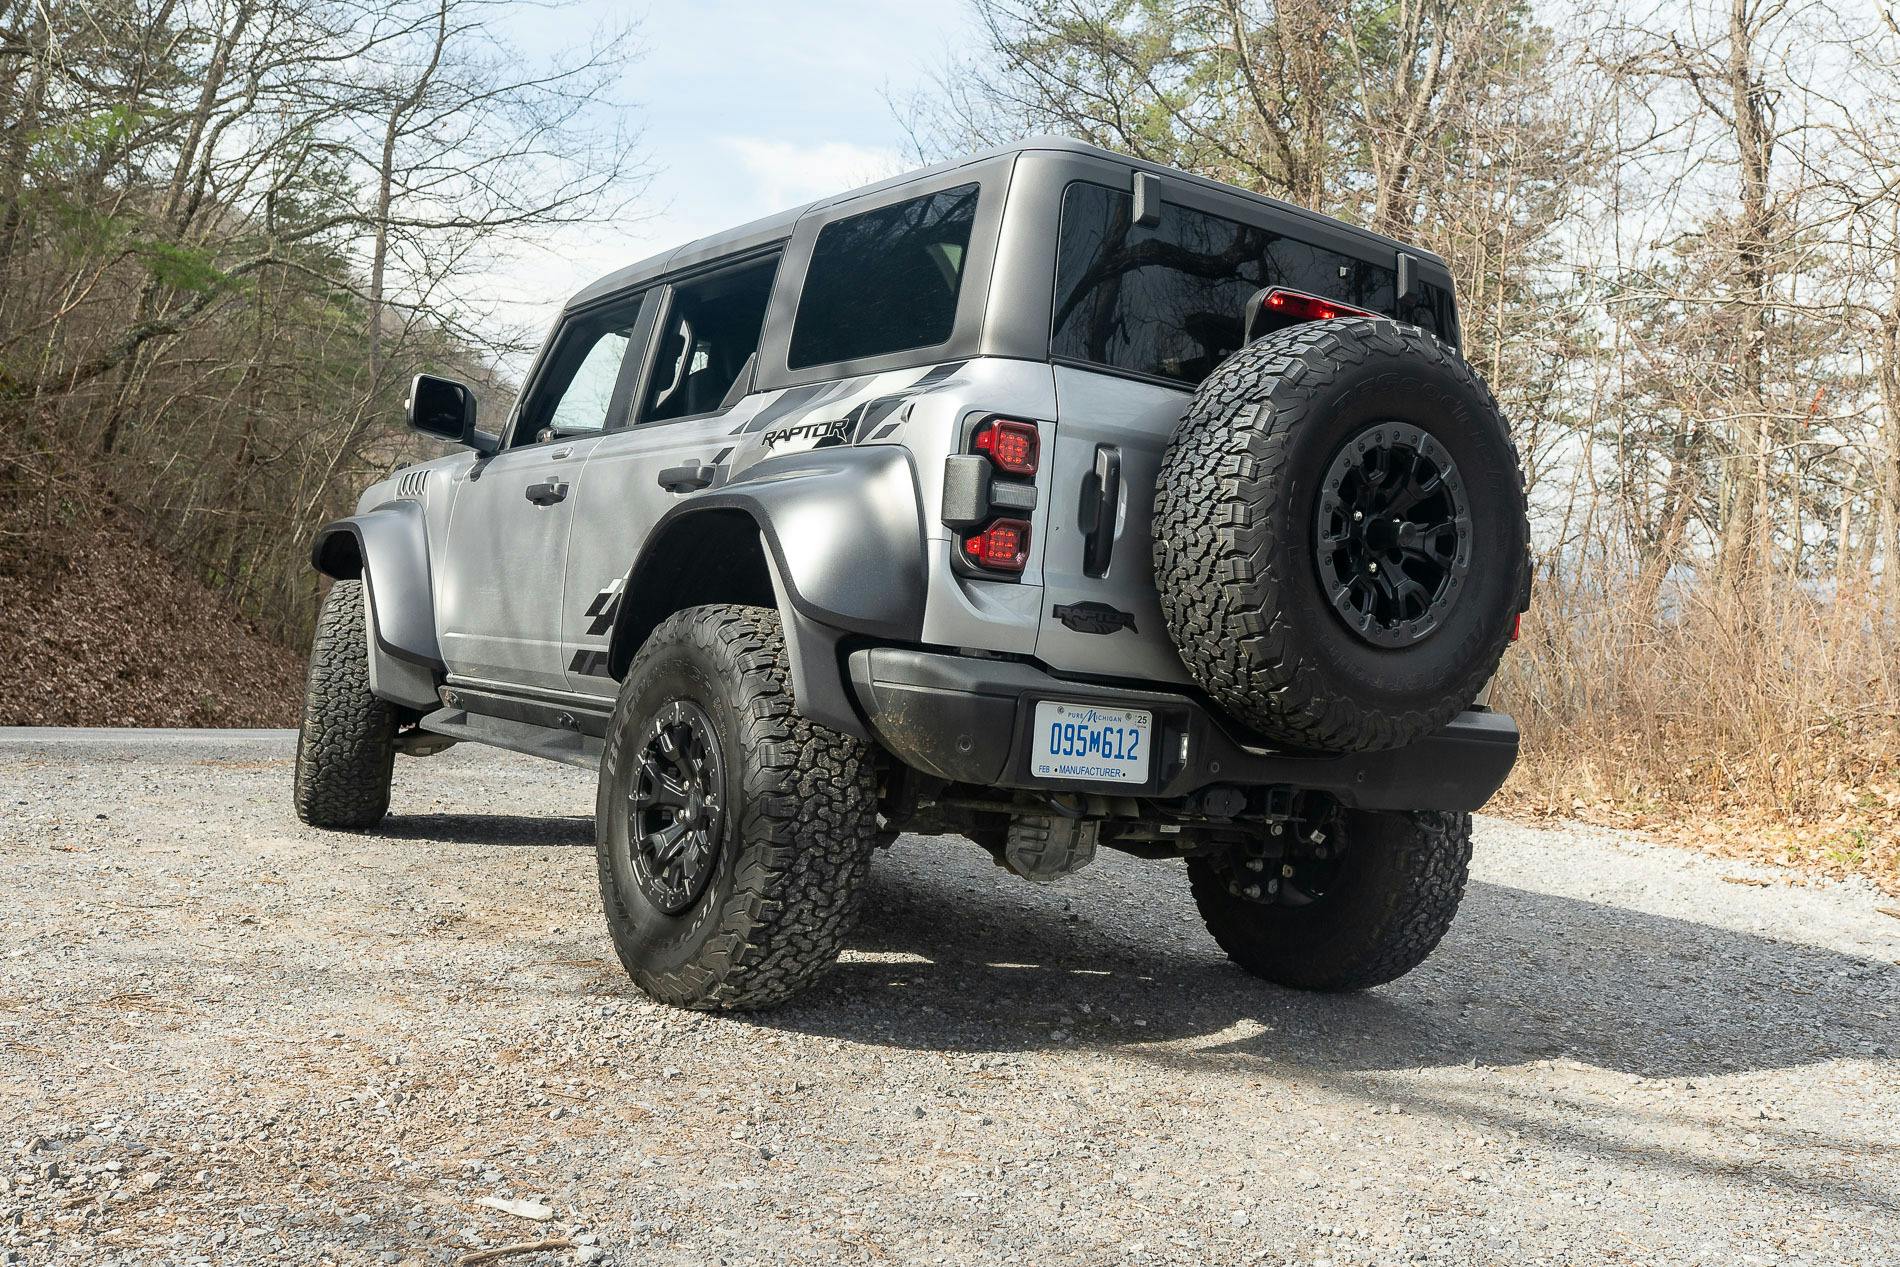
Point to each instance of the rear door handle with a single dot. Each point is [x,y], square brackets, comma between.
[689,478]
[1101,497]
[547,492]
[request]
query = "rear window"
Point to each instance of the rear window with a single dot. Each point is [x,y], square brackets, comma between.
[1167,300]
[885,281]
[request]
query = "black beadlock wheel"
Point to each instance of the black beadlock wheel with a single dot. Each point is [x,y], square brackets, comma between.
[1367,913]
[1341,535]
[346,746]
[733,837]
[676,806]
[1393,537]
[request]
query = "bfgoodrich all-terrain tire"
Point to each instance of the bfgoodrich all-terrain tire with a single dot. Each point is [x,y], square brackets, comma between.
[1372,917]
[1341,544]
[733,836]
[346,747]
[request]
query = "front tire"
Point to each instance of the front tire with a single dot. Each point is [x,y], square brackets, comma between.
[346,747]
[734,836]
[1384,907]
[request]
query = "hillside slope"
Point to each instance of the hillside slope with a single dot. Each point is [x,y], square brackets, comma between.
[108,631]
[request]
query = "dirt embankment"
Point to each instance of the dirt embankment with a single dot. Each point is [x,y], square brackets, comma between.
[100,628]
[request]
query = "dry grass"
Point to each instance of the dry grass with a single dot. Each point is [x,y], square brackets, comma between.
[1765,725]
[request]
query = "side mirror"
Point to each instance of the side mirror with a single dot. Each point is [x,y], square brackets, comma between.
[444,408]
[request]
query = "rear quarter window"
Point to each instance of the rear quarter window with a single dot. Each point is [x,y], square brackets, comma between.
[1167,300]
[885,281]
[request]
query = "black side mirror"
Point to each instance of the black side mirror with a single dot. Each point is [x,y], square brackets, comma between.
[444,408]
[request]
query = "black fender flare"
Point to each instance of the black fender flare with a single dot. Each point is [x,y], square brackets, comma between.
[843,534]
[387,547]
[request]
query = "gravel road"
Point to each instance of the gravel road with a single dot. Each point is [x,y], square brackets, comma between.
[225,1038]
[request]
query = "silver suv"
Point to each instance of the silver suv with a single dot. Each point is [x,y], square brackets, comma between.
[1049,498]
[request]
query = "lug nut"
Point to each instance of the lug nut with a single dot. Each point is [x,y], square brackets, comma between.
[1286,869]
[1372,567]
[1252,890]
[1320,852]
[1273,886]
[1358,515]
[1278,829]
[1256,864]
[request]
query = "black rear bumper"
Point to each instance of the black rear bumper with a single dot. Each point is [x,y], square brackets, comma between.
[968,720]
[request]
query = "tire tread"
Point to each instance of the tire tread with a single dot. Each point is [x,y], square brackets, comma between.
[346,746]
[807,832]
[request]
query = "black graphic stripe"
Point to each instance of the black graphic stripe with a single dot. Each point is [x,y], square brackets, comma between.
[589,664]
[604,618]
[794,399]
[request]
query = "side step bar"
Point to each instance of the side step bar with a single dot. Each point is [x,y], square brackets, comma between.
[565,746]
[569,731]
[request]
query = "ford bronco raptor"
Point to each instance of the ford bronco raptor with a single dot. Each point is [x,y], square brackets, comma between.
[1048,498]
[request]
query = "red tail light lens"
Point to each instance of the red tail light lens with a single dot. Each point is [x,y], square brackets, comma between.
[1293,305]
[1013,446]
[1003,546]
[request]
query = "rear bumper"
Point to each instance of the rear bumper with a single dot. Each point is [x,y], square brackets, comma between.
[968,720]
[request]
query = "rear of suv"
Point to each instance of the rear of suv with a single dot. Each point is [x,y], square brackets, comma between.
[1048,498]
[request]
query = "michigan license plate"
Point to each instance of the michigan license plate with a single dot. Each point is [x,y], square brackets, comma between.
[1081,741]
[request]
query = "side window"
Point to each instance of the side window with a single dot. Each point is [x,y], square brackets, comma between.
[589,395]
[885,281]
[585,386]
[708,342]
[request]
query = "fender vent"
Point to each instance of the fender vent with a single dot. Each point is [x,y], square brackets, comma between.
[412,483]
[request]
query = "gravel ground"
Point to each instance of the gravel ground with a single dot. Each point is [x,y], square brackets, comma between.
[225,1038]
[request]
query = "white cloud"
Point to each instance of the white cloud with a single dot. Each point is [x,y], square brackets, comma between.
[787,173]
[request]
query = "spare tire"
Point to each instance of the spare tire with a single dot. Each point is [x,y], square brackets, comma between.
[1341,543]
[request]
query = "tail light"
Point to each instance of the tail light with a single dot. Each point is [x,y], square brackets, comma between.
[1001,545]
[989,494]
[1012,446]
[1276,309]
[1304,307]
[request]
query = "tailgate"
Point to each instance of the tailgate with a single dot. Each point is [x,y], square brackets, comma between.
[1098,569]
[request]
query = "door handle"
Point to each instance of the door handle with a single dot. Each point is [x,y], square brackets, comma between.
[1101,495]
[689,478]
[547,492]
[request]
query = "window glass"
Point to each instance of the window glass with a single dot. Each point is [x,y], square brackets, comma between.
[708,341]
[885,281]
[1169,299]
[585,383]
[588,398]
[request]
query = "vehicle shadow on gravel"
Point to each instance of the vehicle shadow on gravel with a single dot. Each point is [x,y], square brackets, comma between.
[963,961]
[538,830]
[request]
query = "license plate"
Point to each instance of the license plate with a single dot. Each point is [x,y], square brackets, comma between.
[1081,741]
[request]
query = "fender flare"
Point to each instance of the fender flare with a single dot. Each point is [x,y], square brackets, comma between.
[388,548]
[843,535]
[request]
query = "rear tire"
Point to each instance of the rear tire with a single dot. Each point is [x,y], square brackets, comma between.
[346,747]
[1397,888]
[734,836]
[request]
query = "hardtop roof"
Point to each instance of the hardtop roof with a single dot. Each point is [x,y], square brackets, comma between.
[777,227]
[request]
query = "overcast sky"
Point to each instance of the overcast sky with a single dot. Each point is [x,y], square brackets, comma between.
[749,107]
